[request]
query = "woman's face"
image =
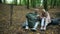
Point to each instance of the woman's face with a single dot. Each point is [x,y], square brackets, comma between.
[43,12]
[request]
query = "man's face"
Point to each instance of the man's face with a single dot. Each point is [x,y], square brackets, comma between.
[36,9]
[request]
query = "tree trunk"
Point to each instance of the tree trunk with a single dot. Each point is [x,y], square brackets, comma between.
[0,1]
[4,1]
[20,2]
[27,4]
[54,3]
[41,3]
[33,3]
[45,5]
[51,3]
[16,2]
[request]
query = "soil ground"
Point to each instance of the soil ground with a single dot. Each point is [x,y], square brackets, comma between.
[18,18]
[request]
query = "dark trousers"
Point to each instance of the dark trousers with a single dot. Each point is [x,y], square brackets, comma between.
[55,21]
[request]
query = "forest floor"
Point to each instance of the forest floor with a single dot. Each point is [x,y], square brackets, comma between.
[16,27]
[52,29]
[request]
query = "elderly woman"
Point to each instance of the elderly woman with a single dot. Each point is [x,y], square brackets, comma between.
[45,19]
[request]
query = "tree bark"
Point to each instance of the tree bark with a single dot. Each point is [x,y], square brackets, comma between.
[0,1]
[27,4]
[41,3]
[4,1]
[45,5]
[16,2]
[20,2]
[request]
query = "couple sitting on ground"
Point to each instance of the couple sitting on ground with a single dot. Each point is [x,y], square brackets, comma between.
[34,19]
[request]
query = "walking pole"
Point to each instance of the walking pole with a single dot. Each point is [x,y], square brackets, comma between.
[11,13]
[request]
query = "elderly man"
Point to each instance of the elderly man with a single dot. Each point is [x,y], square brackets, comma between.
[32,20]
[45,19]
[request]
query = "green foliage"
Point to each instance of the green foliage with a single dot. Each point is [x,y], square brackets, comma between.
[32,3]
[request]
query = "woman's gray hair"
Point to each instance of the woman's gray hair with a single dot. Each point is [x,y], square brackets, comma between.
[44,10]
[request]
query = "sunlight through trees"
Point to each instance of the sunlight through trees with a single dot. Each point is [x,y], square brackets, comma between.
[34,3]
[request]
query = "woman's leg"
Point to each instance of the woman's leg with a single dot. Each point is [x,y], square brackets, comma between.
[42,23]
[47,21]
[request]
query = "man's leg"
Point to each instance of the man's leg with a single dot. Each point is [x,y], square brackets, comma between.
[35,26]
[26,24]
